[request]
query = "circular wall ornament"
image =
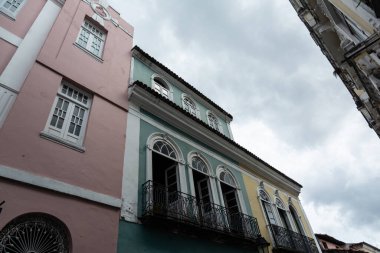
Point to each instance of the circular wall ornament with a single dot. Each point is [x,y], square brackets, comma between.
[101,11]
[34,234]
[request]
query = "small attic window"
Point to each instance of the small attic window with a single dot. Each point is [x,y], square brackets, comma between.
[160,86]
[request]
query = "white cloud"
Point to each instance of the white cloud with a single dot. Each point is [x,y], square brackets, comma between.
[257,60]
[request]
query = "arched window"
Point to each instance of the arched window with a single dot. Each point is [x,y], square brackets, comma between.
[160,86]
[35,232]
[282,213]
[164,148]
[212,121]
[202,188]
[189,105]
[230,195]
[228,187]
[165,173]
[296,220]
[265,200]
[227,178]
[198,164]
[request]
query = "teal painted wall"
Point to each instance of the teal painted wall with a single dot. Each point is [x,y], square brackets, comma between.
[147,129]
[135,238]
[143,73]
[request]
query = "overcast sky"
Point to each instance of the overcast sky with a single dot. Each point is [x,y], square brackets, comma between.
[257,61]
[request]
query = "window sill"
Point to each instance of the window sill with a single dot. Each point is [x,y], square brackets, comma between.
[8,14]
[89,53]
[62,142]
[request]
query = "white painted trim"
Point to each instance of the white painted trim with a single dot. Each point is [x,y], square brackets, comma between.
[10,37]
[201,148]
[23,59]
[197,111]
[214,196]
[7,98]
[241,202]
[180,160]
[9,13]
[177,83]
[130,184]
[58,186]
[170,87]
[230,131]
[267,223]
[214,190]
[131,72]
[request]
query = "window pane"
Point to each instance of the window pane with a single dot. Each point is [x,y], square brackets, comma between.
[77,130]
[59,113]
[53,120]
[76,120]
[71,128]
[60,123]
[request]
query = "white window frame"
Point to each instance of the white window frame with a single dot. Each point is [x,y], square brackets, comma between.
[63,135]
[100,33]
[6,11]
[193,111]
[216,124]
[265,211]
[160,88]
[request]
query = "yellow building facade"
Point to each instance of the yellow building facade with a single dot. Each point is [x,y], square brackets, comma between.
[279,214]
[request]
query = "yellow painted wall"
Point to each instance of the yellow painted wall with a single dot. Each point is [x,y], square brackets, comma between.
[251,189]
[251,186]
[364,24]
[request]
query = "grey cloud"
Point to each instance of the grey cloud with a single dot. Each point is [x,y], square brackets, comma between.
[261,63]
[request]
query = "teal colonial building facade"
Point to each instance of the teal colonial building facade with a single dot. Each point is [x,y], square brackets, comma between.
[183,183]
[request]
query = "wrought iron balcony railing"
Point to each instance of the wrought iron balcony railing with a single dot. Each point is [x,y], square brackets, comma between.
[292,241]
[184,208]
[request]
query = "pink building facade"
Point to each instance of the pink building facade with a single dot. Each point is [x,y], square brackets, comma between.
[64,72]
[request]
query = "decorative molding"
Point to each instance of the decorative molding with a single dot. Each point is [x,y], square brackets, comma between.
[58,186]
[10,37]
[178,120]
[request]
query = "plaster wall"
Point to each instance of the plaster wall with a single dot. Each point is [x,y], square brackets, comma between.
[187,145]
[24,19]
[143,73]
[251,186]
[6,53]
[99,168]
[92,230]
[108,76]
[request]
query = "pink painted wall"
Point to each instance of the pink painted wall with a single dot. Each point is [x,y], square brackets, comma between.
[6,53]
[24,18]
[99,168]
[108,78]
[93,227]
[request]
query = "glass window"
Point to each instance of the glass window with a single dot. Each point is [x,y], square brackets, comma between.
[227,178]
[68,116]
[198,164]
[189,106]
[91,38]
[213,121]
[11,7]
[265,200]
[161,87]
[164,148]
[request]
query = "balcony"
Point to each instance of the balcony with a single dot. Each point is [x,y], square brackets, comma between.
[290,241]
[180,208]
